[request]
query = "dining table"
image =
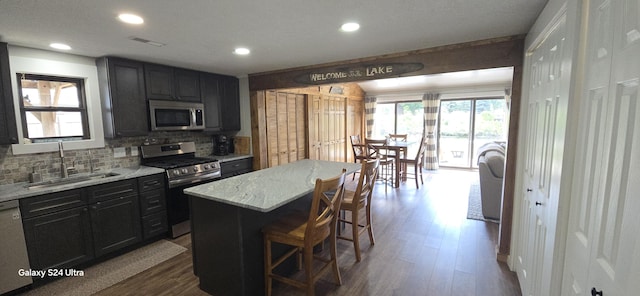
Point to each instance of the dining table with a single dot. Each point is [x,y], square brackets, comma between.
[398,147]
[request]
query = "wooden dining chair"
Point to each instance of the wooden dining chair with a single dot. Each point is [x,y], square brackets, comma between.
[377,150]
[398,137]
[416,162]
[358,147]
[360,151]
[303,232]
[356,202]
[403,152]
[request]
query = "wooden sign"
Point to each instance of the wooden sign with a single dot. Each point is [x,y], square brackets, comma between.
[357,73]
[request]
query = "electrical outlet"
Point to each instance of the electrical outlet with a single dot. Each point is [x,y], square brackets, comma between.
[119,152]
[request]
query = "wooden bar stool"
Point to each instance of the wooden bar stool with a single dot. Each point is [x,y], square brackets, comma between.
[303,232]
[356,201]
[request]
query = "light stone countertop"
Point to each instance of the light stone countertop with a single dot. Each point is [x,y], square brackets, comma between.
[20,190]
[268,189]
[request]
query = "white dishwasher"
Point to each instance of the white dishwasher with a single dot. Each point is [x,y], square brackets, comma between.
[13,248]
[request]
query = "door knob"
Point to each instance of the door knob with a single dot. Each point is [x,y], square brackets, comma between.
[538,203]
[595,292]
[529,189]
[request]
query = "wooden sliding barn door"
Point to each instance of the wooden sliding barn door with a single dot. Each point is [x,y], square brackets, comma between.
[334,113]
[315,123]
[327,127]
[354,124]
[285,121]
[293,124]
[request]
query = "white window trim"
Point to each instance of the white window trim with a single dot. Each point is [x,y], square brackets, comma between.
[34,61]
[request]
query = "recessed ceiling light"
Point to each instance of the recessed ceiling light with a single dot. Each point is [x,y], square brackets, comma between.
[60,46]
[242,51]
[130,18]
[350,27]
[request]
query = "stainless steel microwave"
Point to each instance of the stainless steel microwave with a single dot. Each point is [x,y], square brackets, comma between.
[173,115]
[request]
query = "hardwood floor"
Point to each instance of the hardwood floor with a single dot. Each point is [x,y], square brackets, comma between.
[424,246]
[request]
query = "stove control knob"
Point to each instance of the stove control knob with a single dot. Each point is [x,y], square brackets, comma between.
[184,171]
[176,172]
[206,166]
[195,169]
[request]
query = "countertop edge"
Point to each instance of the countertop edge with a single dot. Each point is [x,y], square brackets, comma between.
[18,191]
[241,191]
[231,157]
[242,205]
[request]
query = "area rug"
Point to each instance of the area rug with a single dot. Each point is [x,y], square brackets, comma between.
[113,271]
[474,210]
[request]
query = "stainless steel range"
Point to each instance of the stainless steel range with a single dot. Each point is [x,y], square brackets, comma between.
[183,169]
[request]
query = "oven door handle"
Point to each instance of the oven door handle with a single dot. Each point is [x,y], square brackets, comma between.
[206,177]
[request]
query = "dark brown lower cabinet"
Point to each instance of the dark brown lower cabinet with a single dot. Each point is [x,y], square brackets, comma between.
[236,167]
[59,240]
[153,206]
[154,225]
[115,223]
[68,228]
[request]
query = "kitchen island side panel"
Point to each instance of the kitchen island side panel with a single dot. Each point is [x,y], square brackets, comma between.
[228,247]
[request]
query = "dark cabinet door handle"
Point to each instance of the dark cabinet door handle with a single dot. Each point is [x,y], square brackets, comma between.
[529,189]
[595,292]
[538,203]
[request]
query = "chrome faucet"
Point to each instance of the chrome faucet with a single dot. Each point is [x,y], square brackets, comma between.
[92,167]
[63,165]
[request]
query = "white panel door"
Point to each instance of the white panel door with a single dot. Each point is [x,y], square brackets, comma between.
[545,125]
[602,243]
[589,150]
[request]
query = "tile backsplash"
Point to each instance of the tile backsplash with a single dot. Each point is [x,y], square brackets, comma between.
[16,168]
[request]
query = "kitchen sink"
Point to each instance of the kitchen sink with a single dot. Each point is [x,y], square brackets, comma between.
[70,180]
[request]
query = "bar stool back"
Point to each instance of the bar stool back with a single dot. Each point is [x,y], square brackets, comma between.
[303,232]
[356,201]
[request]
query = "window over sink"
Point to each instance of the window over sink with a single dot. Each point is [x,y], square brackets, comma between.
[54,67]
[52,108]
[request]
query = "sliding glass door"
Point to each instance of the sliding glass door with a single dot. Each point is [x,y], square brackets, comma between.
[400,118]
[455,131]
[467,124]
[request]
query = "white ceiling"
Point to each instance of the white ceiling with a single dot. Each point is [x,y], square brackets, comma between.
[201,34]
[498,78]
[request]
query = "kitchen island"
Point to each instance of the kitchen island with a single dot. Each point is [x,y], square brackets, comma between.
[227,217]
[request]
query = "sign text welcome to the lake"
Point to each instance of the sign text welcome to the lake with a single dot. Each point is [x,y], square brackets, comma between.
[358,73]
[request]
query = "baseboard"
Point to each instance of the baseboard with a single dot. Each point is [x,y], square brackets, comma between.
[502,257]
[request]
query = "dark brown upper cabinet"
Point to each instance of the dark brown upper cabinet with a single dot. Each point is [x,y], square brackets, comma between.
[159,82]
[210,87]
[187,85]
[8,126]
[230,103]
[168,83]
[220,95]
[122,92]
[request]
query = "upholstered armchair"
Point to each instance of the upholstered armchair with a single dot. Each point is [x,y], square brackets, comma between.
[491,170]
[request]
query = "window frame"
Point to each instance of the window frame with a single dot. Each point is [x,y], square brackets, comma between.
[82,106]
[395,108]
